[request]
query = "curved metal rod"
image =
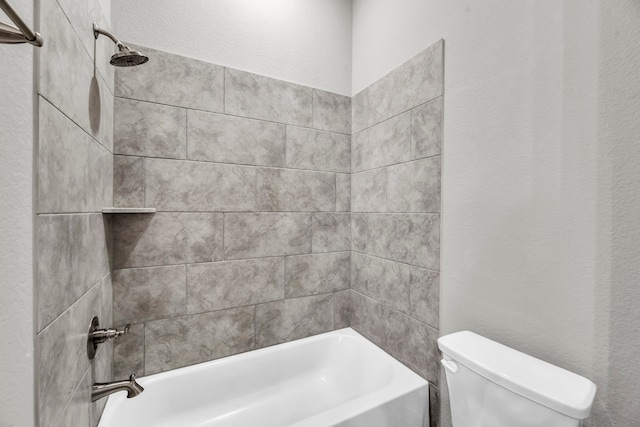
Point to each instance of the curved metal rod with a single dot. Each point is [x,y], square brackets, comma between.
[97,31]
[19,34]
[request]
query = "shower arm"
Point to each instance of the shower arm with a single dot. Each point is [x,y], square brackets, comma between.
[21,33]
[97,31]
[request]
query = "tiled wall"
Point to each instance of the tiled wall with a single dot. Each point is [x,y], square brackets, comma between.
[250,246]
[395,203]
[74,181]
[273,223]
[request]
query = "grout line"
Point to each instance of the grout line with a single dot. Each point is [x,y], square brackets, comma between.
[224,90]
[186,288]
[234,164]
[260,212]
[144,348]
[186,134]
[140,267]
[77,34]
[255,326]
[93,138]
[396,310]
[224,220]
[396,164]
[144,182]
[313,97]
[335,192]
[393,260]
[95,284]
[230,115]
[396,115]
[244,213]
[75,391]
[182,315]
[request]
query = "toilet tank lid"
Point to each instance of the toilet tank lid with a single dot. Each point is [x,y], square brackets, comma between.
[539,381]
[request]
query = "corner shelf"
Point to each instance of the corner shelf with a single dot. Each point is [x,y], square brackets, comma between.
[112,210]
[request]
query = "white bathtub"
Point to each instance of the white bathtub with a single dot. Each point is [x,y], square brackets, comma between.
[334,379]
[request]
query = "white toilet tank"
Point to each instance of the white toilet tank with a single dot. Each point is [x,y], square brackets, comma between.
[492,385]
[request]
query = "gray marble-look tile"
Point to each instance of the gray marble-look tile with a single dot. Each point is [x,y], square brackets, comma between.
[410,238]
[228,139]
[106,300]
[182,341]
[251,95]
[316,274]
[219,285]
[426,129]
[384,144]
[82,95]
[295,190]
[148,129]
[412,290]
[331,232]
[81,15]
[331,111]
[360,110]
[255,235]
[291,319]
[414,343]
[342,307]
[151,293]
[318,150]
[369,191]
[175,185]
[75,172]
[62,356]
[368,318]
[424,296]
[343,192]
[128,181]
[415,82]
[142,240]
[72,257]
[408,340]
[128,353]
[387,282]
[414,186]
[77,411]
[173,80]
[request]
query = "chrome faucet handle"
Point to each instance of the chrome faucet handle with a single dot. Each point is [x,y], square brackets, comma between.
[102,335]
[99,335]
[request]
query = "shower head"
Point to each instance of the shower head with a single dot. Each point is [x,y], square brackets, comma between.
[128,58]
[125,57]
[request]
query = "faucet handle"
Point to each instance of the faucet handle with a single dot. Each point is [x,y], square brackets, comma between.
[121,332]
[99,335]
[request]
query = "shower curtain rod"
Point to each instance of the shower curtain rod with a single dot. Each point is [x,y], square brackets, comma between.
[21,33]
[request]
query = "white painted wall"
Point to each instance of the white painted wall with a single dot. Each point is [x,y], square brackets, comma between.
[16,229]
[306,42]
[540,243]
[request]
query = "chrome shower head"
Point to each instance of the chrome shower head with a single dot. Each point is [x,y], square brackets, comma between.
[126,57]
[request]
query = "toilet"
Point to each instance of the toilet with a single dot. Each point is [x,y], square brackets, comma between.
[492,385]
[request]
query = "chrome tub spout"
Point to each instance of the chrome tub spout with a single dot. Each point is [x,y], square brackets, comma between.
[100,390]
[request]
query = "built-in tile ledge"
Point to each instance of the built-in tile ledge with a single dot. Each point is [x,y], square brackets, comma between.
[127,210]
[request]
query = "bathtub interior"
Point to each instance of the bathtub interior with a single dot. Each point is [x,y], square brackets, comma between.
[325,380]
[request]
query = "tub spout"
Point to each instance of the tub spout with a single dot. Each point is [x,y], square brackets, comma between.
[100,390]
